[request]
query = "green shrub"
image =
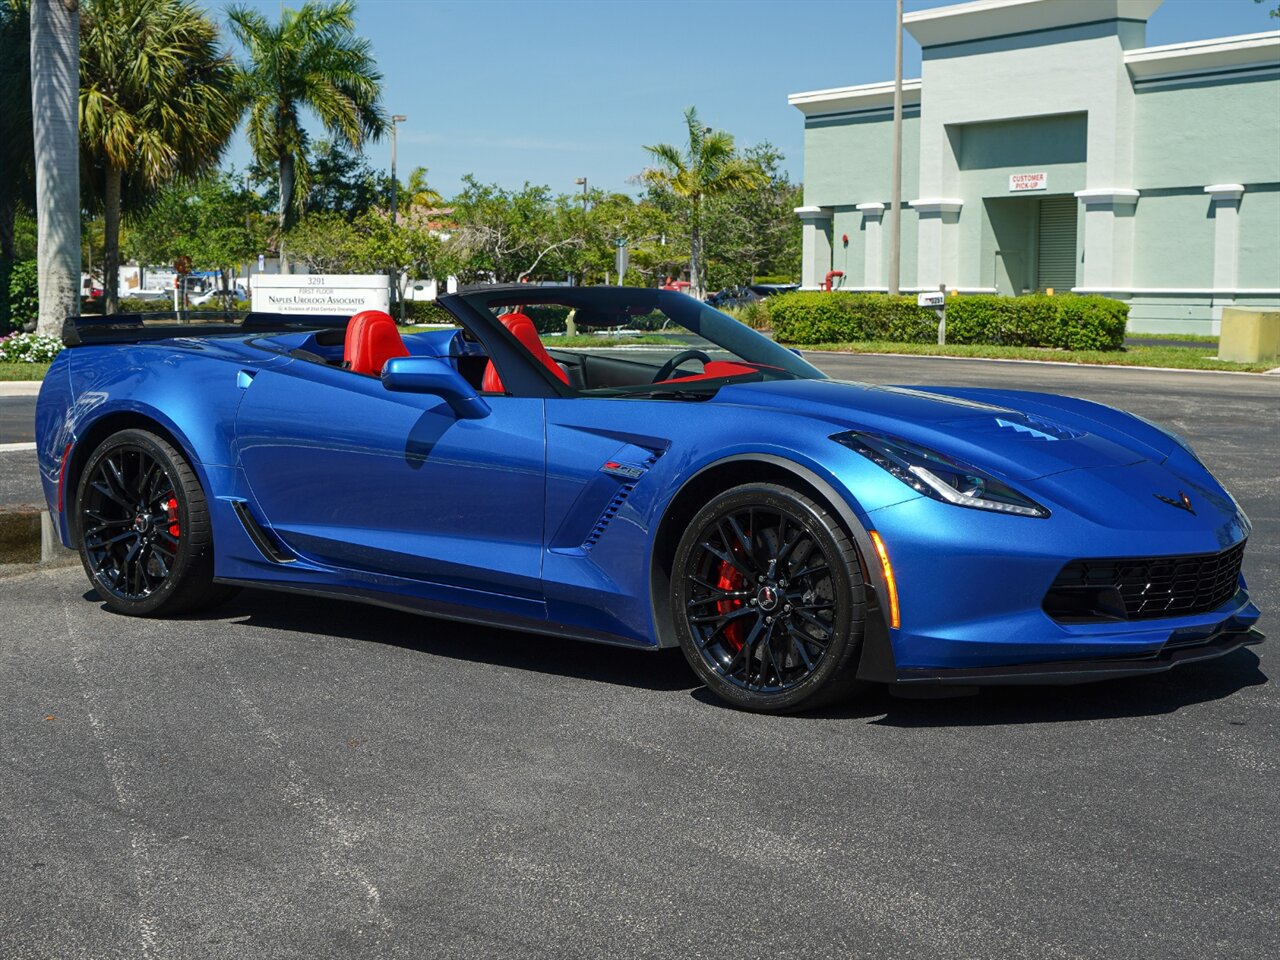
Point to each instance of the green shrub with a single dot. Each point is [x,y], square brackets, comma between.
[162,305]
[1093,322]
[1071,322]
[755,314]
[424,311]
[818,317]
[21,295]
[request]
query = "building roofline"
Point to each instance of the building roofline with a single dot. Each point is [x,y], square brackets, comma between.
[979,19]
[865,96]
[1215,53]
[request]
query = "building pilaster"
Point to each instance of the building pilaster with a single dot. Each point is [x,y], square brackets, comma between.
[816,246]
[872,217]
[1108,238]
[1225,201]
[937,260]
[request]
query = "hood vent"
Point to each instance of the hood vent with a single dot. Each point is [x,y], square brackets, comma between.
[1017,426]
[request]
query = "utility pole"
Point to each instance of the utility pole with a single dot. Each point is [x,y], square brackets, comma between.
[395,204]
[395,184]
[895,201]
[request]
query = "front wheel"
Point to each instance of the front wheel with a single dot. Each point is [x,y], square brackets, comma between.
[768,600]
[143,528]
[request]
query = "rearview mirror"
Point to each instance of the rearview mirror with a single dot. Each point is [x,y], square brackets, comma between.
[435,376]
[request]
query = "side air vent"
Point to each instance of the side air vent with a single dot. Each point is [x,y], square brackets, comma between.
[261,539]
[616,504]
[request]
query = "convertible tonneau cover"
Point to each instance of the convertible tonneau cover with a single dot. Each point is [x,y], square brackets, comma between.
[135,327]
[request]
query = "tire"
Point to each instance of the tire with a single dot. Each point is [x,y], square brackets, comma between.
[768,600]
[143,530]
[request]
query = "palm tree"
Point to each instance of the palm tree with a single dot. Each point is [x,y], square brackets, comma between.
[159,101]
[708,167]
[422,194]
[55,78]
[17,158]
[311,59]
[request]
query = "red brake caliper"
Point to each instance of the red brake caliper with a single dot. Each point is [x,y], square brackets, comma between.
[731,579]
[172,508]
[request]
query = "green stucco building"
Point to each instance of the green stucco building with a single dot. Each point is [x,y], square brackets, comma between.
[1046,146]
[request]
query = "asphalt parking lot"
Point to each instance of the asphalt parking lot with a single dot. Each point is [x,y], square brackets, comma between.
[304,778]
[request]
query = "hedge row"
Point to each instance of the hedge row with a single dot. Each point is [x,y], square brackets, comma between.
[1070,322]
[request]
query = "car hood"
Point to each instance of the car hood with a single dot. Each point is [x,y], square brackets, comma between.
[1019,436]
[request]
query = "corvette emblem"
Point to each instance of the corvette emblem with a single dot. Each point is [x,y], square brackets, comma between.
[1182,503]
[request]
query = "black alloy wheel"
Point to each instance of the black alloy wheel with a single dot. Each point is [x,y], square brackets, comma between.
[143,528]
[768,599]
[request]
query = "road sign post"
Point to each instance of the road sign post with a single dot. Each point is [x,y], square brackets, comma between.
[622,258]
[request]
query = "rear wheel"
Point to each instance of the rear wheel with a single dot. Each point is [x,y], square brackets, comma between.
[143,528]
[768,600]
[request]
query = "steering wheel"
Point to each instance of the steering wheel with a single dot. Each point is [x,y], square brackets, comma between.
[673,364]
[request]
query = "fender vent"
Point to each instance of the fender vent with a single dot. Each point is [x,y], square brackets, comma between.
[615,505]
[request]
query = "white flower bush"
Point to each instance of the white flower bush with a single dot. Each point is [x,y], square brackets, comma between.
[29,348]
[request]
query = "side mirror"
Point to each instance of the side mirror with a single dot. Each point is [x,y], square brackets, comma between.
[435,376]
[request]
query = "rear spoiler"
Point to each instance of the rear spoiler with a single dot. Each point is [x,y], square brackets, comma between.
[136,327]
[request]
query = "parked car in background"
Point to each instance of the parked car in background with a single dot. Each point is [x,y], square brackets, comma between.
[744,294]
[236,293]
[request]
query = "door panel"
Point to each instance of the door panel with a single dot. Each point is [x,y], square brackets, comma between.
[393,483]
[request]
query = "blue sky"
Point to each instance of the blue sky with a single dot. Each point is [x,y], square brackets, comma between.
[551,90]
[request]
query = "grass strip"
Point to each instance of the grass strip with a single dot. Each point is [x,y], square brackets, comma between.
[1180,358]
[23,371]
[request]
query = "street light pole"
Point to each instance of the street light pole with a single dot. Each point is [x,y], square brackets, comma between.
[395,184]
[895,202]
[582,182]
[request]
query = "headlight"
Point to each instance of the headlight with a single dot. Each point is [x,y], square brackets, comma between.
[940,477]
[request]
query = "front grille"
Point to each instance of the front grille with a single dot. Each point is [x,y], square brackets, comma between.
[1144,588]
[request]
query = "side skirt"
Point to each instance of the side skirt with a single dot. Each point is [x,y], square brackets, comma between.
[441,611]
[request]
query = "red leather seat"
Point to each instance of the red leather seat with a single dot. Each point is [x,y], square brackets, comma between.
[372,340]
[522,329]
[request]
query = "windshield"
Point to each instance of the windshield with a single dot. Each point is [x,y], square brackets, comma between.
[624,342]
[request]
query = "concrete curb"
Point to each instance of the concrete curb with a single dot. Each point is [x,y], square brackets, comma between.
[27,536]
[20,388]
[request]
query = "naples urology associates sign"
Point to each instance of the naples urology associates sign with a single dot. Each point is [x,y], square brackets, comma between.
[320,293]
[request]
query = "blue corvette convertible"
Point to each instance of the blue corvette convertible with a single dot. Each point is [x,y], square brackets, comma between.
[794,535]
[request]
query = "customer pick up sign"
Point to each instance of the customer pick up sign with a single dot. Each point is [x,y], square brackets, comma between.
[1028,181]
[320,293]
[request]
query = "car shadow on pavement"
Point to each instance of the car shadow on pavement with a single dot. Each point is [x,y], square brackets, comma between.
[519,650]
[1160,693]
[666,670]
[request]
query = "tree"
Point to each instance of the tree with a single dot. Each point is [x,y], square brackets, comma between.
[420,193]
[509,235]
[1274,11]
[707,167]
[329,243]
[159,100]
[17,150]
[311,59]
[753,232]
[213,220]
[341,181]
[55,77]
